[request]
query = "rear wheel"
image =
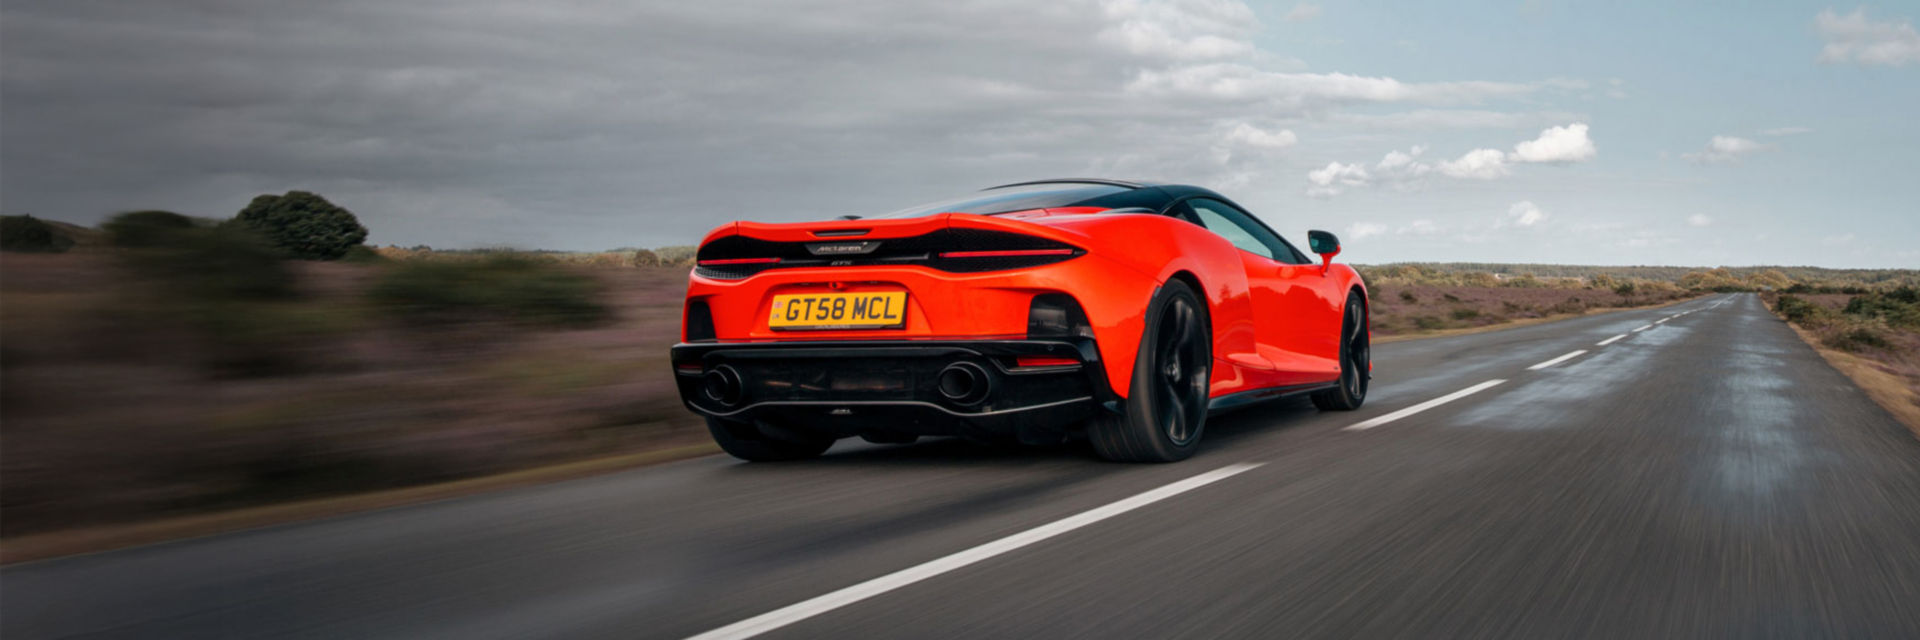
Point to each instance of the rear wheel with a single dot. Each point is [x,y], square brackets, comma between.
[1356,361]
[745,441]
[1166,408]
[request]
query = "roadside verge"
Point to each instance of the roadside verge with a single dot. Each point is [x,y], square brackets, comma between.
[54,544]
[1888,390]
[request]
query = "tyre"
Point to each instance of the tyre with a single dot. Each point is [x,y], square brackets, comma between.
[1356,358]
[745,441]
[1166,410]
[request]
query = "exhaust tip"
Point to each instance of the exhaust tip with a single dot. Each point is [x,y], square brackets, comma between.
[722,385]
[964,383]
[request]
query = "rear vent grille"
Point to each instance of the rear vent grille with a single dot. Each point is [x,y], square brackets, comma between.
[953,250]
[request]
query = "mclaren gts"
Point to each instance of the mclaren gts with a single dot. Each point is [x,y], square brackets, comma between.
[1123,312]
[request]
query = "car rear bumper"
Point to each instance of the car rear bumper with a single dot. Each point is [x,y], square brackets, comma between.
[896,387]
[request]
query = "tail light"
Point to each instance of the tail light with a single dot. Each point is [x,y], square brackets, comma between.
[956,250]
[1014,253]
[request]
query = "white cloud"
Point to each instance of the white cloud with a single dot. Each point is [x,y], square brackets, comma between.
[1360,230]
[1478,164]
[1727,149]
[1699,220]
[1237,82]
[1335,177]
[1303,12]
[1403,169]
[1854,38]
[1786,131]
[1179,31]
[1426,120]
[1396,159]
[1557,144]
[1525,214]
[1841,240]
[1245,134]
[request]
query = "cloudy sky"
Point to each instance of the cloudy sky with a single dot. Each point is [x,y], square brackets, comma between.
[1535,131]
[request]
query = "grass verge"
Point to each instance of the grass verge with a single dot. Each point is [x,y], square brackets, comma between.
[1888,390]
[56,544]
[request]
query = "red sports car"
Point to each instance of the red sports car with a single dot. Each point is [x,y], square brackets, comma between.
[1125,311]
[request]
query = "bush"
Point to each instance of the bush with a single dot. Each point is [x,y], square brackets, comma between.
[1428,323]
[501,287]
[304,225]
[1799,311]
[1625,289]
[680,256]
[137,229]
[1465,313]
[1898,307]
[1858,338]
[645,258]
[215,264]
[27,234]
[1523,281]
[1408,297]
[363,254]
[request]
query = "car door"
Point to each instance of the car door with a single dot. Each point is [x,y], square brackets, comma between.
[1297,315]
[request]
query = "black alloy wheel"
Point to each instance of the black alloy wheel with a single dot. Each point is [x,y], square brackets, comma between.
[1356,361]
[1165,413]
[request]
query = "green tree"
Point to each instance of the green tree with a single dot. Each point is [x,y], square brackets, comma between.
[304,225]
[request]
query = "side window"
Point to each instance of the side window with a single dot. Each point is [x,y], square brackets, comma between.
[1242,230]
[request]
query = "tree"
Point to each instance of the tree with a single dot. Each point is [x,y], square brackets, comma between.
[304,225]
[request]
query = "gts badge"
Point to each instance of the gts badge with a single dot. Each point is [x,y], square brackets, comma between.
[842,248]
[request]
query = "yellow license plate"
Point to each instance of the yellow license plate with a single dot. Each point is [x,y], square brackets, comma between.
[871,310]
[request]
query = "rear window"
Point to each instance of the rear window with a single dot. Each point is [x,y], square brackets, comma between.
[1010,199]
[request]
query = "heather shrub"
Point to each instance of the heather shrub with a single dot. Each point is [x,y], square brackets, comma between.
[145,229]
[501,287]
[27,234]
[212,265]
[1898,307]
[1858,337]
[678,256]
[1800,311]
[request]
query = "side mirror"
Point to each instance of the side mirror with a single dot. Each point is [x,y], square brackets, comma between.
[1324,244]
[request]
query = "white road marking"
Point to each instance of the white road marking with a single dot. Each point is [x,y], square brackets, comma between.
[1558,360]
[1643,328]
[790,614]
[1424,406]
[1609,341]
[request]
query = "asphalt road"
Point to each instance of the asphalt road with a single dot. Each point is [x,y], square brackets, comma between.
[1709,476]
